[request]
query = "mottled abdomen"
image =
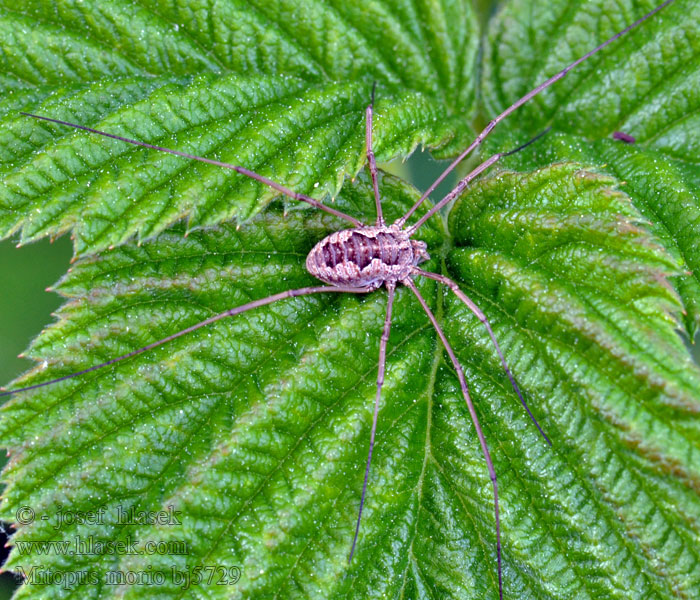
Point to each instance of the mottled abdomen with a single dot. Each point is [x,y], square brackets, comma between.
[365,257]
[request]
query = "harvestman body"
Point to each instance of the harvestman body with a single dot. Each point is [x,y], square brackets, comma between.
[364,258]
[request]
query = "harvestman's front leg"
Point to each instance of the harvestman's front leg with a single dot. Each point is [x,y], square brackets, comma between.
[238,169]
[526,98]
[482,317]
[475,420]
[380,382]
[462,185]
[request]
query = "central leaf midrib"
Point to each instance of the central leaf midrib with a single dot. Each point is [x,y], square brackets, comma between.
[379,442]
[290,453]
[427,454]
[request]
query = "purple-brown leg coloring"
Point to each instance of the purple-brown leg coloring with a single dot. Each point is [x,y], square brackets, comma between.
[229,313]
[380,382]
[351,275]
[242,170]
[482,317]
[543,86]
[461,186]
[371,160]
[475,420]
[458,189]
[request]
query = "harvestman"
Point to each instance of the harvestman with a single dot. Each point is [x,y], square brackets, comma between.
[365,257]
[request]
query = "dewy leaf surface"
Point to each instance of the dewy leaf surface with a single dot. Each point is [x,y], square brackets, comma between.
[647,86]
[277,87]
[256,429]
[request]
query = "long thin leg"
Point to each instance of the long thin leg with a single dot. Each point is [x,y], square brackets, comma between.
[229,313]
[380,382]
[475,420]
[459,188]
[371,160]
[241,170]
[543,86]
[482,317]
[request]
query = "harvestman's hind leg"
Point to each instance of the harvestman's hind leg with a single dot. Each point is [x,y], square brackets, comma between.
[482,317]
[371,160]
[380,383]
[229,313]
[475,420]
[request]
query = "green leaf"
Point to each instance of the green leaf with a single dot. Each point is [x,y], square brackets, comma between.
[648,87]
[279,88]
[253,432]
[256,429]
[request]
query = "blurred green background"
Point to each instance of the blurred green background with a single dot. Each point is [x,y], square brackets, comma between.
[25,306]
